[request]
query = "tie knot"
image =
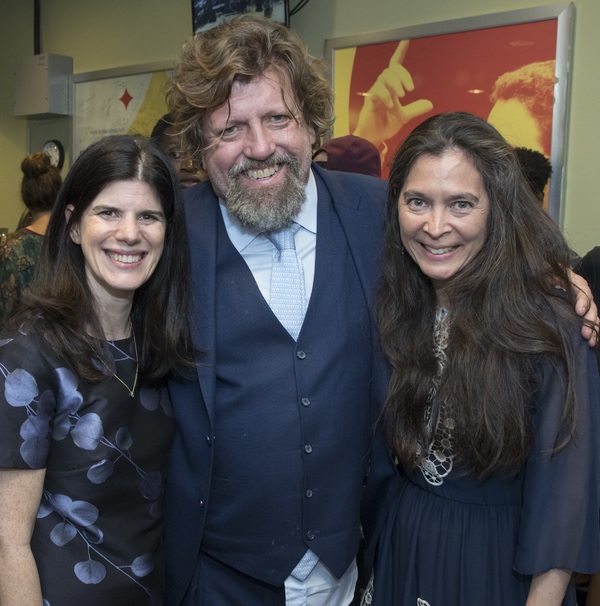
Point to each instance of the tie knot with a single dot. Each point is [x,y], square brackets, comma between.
[284,238]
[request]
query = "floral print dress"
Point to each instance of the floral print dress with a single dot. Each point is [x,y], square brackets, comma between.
[19,253]
[97,537]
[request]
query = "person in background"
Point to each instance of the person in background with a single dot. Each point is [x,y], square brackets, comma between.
[537,170]
[166,136]
[19,250]
[349,154]
[493,408]
[85,427]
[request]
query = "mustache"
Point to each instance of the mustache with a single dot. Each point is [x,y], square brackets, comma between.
[275,158]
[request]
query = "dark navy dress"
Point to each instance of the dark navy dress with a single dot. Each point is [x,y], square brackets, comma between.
[97,537]
[451,540]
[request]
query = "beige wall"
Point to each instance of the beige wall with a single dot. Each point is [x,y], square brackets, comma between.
[97,34]
[113,33]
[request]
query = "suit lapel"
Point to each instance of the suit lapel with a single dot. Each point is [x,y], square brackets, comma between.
[203,217]
[361,216]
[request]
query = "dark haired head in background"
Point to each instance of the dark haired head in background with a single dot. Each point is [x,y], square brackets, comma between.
[536,168]
[41,182]
[20,250]
[166,136]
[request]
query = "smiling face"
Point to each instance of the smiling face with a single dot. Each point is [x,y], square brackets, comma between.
[121,235]
[442,213]
[259,152]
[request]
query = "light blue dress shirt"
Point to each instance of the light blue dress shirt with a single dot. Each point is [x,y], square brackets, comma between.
[257,249]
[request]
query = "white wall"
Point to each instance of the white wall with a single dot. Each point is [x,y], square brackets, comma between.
[114,33]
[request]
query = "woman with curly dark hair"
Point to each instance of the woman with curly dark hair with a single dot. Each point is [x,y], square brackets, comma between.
[494,400]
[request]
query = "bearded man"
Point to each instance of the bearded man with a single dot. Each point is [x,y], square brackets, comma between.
[275,439]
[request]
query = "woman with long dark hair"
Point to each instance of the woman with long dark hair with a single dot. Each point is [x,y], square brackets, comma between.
[493,405]
[85,428]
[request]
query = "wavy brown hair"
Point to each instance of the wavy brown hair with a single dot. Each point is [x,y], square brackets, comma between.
[510,304]
[240,50]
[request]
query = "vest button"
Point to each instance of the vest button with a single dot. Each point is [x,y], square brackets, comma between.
[301,355]
[305,402]
[309,494]
[310,535]
[307,448]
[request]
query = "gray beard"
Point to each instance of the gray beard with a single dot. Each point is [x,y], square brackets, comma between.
[270,209]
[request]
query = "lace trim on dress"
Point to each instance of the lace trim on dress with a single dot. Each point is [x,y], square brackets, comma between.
[437,462]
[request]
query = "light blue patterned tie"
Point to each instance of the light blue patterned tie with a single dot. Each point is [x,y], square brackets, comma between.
[305,566]
[288,302]
[288,298]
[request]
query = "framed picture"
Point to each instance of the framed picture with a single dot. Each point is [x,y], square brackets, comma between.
[208,13]
[510,68]
[118,101]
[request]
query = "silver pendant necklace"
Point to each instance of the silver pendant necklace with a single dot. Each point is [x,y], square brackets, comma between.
[137,367]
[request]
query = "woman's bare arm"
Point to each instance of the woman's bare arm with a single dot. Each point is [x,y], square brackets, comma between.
[548,588]
[20,494]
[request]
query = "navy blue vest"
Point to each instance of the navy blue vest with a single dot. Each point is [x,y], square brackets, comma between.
[292,426]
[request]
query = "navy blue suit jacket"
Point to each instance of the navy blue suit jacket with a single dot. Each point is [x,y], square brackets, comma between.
[358,202]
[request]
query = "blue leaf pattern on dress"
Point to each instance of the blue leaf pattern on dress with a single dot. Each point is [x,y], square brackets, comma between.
[90,572]
[82,513]
[143,565]
[101,471]
[52,416]
[149,398]
[93,534]
[69,396]
[87,432]
[150,485]
[34,427]
[20,388]
[63,533]
[35,451]
[44,510]
[123,438]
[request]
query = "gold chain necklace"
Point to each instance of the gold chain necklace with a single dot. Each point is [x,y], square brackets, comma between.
[137,367]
